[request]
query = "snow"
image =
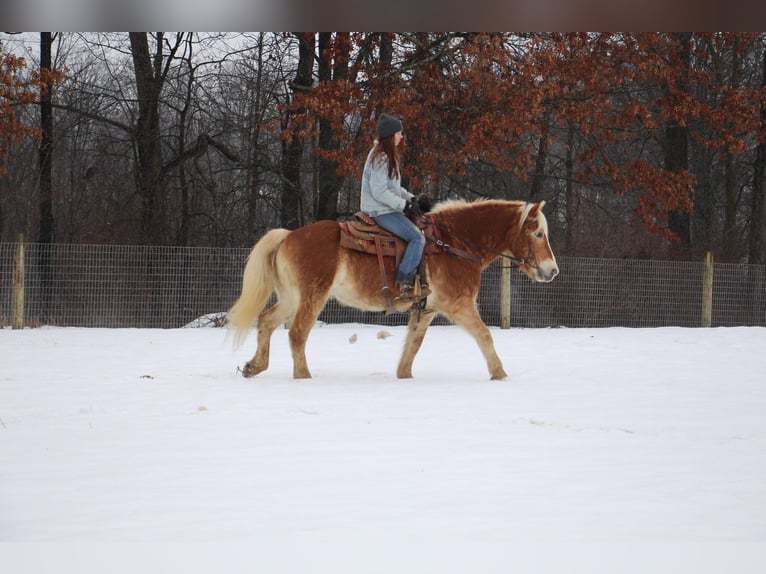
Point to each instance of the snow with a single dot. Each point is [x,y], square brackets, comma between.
[601,442]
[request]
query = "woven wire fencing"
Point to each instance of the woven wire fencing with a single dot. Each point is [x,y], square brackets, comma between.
[168,287]
[121,286]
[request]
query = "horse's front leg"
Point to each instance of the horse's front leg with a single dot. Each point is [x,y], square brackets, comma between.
[416,331]
[470,320]
[305,318]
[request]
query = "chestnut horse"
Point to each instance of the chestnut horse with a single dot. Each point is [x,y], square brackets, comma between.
[307,266]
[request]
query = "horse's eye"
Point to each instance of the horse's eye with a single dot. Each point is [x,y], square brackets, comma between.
[539,234]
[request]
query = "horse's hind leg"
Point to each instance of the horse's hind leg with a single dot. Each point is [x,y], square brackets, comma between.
[416,331]
[470,320]
[268,321]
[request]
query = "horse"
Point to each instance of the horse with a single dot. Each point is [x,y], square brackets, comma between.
[307,266]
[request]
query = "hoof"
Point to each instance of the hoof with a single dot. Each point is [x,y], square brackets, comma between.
[250,371]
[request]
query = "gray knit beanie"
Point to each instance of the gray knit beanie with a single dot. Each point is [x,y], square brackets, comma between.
[388,126]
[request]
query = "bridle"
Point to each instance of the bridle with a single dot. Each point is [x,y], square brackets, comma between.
[529,261]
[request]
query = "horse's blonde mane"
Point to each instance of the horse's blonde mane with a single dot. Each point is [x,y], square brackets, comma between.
[453,204]
[458,204]
[449,205]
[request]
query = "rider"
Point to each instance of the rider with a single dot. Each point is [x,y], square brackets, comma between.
[387,202]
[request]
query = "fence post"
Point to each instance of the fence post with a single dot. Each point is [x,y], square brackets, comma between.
[707,291]
[505,295]
[18,286]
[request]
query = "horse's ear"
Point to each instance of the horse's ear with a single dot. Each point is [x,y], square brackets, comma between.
[537,208]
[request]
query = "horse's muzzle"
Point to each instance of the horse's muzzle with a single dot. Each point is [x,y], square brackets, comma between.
[546,272]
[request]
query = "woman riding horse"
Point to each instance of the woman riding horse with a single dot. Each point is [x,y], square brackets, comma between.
[307,266]
[387,202]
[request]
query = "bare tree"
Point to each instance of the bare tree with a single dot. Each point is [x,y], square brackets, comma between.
[151,71]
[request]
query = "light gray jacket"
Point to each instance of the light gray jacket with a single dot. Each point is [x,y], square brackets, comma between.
[380,193]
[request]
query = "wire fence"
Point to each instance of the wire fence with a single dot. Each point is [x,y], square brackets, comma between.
[168,287]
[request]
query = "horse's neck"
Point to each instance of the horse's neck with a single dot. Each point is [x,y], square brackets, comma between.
[486,228]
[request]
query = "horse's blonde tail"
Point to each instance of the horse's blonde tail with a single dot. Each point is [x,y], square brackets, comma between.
[258,282]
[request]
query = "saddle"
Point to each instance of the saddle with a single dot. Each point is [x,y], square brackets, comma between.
[363,234]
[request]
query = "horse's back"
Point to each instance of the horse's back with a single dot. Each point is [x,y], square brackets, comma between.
[318,227]
[319,239]
[310,253]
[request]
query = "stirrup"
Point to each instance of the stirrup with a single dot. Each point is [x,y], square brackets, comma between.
[406,292]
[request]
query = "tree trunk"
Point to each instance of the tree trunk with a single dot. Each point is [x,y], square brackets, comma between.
[45,237]
[757,252]
[255,120]
[46,141]
[676,142]
[676,160]
[386,52]
[569,195]
[149,81]
[182,235]
[292,196]
[542,157]
[333,66]
[730,239]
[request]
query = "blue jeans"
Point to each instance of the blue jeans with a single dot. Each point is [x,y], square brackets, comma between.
[400,225]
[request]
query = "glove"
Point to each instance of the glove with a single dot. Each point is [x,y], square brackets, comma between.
[424,202]
[412,208]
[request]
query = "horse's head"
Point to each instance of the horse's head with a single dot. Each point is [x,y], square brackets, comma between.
[531,248]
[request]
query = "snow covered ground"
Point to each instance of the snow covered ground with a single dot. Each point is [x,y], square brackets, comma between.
[608,440]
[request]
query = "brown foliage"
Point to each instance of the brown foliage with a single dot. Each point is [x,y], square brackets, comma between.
[468,99]
[15,91]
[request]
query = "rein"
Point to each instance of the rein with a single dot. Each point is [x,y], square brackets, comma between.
[436,237]
[529,261]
